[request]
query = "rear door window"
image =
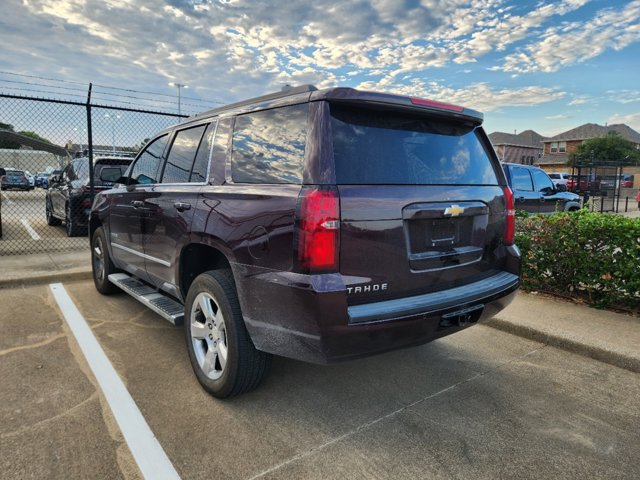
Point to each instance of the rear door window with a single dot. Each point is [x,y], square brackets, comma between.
[182,155]
[268,146]
[390,147]
[521,179]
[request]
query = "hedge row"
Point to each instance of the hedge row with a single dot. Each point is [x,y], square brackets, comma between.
[592,256]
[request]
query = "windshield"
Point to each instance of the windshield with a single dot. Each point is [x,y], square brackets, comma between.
[383,147]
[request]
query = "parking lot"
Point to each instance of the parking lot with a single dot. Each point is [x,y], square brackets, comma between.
[478,404]
[25,229]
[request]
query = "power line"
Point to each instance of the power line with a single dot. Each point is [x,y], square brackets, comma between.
[105,86]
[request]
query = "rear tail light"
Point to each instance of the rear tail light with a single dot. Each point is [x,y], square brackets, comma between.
[510,226]
[318,233]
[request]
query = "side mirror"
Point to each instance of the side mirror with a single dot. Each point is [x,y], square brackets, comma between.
[122,181]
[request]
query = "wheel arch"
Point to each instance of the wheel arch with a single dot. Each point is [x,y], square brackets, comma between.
[197,258]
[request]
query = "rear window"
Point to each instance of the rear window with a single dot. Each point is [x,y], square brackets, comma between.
[268,146]
[385,147]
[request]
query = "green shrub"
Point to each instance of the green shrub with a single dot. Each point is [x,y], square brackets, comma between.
[585,255]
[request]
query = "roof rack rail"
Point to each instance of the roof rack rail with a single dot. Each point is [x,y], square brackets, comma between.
[285,92]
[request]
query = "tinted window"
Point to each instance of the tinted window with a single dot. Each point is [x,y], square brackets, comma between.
[376,147]
[555,176]
[542,180]
[182,155]
[268,146]
[147,166]
[201,165]
[521,179]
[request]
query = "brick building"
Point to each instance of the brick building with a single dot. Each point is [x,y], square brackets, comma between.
[525,147]
[557,148]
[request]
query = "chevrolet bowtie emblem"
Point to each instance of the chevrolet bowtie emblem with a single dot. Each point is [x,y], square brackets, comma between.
[454,210]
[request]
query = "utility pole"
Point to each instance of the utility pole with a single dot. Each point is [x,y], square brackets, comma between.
[179,87]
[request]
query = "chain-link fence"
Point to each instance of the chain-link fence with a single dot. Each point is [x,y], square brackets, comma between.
[47,181]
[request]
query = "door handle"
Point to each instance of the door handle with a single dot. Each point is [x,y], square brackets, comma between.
[137,203]
[542,199]
[181,206]
[520,199]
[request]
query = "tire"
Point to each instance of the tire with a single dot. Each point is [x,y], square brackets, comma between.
[101,264]
[51,220]
[221,352]
[72,229]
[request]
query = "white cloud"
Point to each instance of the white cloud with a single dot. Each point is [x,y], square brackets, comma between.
[624,96]
[575,42]
[578,101]
[557,117]
[632,120]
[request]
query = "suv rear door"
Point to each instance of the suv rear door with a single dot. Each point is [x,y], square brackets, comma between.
[170,205]
[421,202]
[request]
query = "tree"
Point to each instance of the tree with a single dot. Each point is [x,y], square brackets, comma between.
[8,143]
[610,148]
[34,135]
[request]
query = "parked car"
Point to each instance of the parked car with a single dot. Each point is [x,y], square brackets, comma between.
[318,225]
[68,196]
[583,183]
[31,179]
[534,191]
[626,181]
[14,179]
[559,178]
[41,179]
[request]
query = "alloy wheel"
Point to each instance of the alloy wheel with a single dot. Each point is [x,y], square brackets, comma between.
[209,336]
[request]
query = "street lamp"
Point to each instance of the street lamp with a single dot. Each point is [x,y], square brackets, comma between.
[113,130]
[82,133]
[179,87]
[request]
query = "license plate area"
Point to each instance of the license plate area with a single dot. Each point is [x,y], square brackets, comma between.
[437,240]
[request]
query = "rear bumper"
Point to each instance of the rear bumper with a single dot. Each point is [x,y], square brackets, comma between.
[306,317]
[470,294]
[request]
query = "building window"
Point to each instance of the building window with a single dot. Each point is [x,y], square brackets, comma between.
[554,147]
[562,147]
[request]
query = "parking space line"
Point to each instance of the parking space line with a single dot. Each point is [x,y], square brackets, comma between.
[144,446]
[30,229]
[7,200]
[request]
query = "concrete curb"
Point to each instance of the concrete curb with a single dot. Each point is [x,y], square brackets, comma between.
[596,352]
[46,278]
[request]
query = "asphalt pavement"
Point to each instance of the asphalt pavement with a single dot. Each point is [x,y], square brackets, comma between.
[483,403]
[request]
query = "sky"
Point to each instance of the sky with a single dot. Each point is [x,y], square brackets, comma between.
[543,65]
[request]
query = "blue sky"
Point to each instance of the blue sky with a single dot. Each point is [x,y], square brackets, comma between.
[548,66]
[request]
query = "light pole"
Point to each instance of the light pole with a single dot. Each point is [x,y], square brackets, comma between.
[179,87]
[81,132]
[113,130]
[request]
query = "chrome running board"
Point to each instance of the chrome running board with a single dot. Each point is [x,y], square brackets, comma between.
[163,305]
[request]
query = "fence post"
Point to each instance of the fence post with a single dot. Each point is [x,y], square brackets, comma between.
[90,143]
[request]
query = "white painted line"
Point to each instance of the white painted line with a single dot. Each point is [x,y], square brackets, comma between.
[30,229]
[145,448]
[6,200]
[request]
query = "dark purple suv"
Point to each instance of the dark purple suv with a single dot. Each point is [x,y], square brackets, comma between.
[320,225]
